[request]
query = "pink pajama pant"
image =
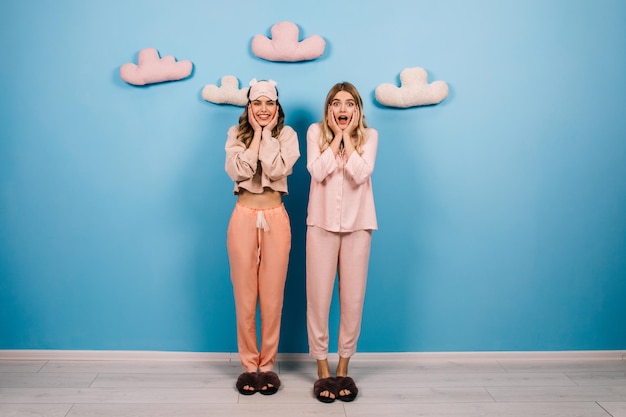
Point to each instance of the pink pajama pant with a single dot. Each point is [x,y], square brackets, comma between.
[258,242]
[329,253]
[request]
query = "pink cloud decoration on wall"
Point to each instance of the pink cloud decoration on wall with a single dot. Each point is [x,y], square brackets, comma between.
[414,90]
[228,93]
[152,69]
[284,45]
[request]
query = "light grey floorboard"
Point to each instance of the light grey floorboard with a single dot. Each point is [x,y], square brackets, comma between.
[34,410]
[117,395]
[204,410]
[616,409]
[463,380]
[598,378]
[21,366]
[161,380]
[588,393]
[143,367]
[45,380]
[389,386]
[564,365]
[477,410]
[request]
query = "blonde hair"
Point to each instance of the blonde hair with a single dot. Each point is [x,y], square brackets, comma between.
[246,132]
[359,133]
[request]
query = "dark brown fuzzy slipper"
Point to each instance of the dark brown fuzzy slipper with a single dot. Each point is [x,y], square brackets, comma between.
[249,379]
[265,380]
[346,383]
[325,384]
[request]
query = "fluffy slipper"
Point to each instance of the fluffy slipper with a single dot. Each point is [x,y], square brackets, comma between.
[346,383]
[249,379]
[265,380]
[325,384]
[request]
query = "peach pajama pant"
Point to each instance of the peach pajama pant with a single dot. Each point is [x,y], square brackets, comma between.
[329,253]
[258,242]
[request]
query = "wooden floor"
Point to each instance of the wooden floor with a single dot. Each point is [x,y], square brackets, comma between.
[469,385]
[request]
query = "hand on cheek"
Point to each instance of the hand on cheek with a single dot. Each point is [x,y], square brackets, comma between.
[252,119]
[272,124]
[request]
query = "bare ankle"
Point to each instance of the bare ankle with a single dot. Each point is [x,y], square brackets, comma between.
[342,366]
[323,370]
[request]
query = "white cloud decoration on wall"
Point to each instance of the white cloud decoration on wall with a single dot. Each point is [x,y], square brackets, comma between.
[152,69]
[284,45]
[414,90]
[228,93]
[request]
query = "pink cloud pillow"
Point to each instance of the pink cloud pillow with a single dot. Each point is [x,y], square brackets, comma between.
[284,45]
[152,69]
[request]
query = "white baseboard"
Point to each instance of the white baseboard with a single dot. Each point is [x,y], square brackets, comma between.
[117,355]
[524,355]
[122,355]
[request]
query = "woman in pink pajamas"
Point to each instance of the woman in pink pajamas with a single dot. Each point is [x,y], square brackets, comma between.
[341,151]
[260,154]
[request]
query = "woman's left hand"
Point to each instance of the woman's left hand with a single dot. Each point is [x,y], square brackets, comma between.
[354,123]
[272,124]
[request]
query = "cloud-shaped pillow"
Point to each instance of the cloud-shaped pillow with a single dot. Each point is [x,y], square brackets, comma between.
[152,69]
[414,90]
[284,45]
[228,93]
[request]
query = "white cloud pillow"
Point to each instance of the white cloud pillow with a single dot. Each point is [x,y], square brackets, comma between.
[228,93]
[414,90]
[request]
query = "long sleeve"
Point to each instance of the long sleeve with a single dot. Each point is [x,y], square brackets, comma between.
[360,167]
[269,169]
[278,155]
[241,163]
[319,164]
[341,197]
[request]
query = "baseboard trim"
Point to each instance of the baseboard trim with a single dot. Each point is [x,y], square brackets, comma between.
[131,355]
[118,355]
[491,355]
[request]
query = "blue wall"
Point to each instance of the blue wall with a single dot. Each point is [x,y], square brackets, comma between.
[502,210]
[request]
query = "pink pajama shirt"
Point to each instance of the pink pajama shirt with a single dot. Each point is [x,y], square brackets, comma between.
[258,243]
[341,216]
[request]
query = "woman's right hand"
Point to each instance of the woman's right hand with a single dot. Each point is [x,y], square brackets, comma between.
[252,120]
[332,123]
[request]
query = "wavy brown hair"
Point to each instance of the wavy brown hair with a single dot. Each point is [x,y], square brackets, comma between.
[246,132]
[359,133]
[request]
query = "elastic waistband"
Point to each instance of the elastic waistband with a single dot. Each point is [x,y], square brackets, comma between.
[253,211]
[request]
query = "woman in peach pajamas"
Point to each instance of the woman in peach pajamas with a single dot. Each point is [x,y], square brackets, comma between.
[260,154]
[341,151]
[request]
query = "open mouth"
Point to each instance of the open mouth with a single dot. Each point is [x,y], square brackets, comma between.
[342,119]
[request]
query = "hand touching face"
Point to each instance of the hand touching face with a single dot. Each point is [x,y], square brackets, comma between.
[343,112]
[263,113]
